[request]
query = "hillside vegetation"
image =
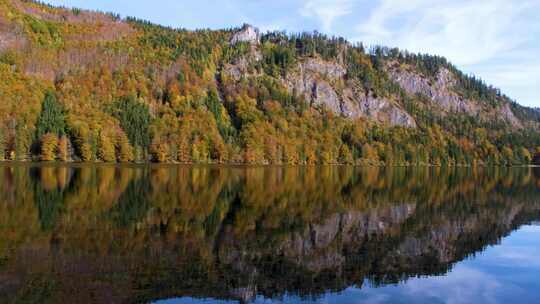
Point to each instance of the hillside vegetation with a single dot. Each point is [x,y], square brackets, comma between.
[87,86]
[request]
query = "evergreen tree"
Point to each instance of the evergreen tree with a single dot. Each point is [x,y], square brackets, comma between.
[52,117]
[135,119]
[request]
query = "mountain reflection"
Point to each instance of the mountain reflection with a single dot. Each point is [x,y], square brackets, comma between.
[111,234]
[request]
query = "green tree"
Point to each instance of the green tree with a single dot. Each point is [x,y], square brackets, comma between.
[52,117]
[135,119]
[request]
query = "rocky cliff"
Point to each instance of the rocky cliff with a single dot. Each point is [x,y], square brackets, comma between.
[324,83]
[327,83]
[441,91]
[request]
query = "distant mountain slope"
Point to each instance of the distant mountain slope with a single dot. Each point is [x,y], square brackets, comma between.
[82,85]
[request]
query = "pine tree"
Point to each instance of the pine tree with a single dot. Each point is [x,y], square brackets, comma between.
[135,119]
[52,117]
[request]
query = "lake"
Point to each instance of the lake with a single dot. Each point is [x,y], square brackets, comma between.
[211,234]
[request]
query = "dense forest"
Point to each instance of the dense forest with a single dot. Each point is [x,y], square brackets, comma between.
[89,86]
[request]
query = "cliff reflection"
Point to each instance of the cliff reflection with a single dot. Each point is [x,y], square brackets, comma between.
[134,234]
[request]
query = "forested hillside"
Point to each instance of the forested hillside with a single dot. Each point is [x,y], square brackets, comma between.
[87,86]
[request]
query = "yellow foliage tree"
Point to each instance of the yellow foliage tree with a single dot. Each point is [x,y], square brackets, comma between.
[49,145]
[160,151]
[345,155]
[369,153]
[63,149]
[508,155]
[106,150]
[525,155]
[124,150]
[183,150]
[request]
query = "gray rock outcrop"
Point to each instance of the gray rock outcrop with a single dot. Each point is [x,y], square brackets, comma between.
[438,90]
[324,83]
[441,91]
[248,34]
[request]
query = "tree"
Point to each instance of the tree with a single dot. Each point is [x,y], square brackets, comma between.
[106,150]
[3,144]
[124,150]
[369,153]
[135,119]
[52,117]
[159,150]
[508,155]
[83,141]
[345,155]
[63,153]
[23,141]
[49,145]
[524,156]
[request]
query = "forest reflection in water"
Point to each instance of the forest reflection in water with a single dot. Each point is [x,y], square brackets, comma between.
[113,234]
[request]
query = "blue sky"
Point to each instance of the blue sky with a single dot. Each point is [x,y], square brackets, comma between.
[498,40]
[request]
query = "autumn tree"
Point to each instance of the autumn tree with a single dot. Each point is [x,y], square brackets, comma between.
[124,150]
[345,155]
[106,149]
[49,145]
[369,153]
[3,144]
[83,141]
[524,156]
[63,153]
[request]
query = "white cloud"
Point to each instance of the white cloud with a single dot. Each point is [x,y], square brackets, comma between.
[463,285]
[495,39]
[326,11]
[467,31]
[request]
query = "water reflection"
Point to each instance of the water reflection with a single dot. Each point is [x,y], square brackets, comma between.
[136,234]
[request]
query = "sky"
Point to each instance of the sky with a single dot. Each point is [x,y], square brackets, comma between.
[497,40]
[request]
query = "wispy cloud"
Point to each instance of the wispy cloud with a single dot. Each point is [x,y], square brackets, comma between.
[463,285]
[495,39]
[467,31]
[326,11]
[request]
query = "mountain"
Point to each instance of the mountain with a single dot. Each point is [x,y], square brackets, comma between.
[88,86]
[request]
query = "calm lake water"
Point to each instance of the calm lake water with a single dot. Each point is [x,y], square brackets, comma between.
[181,234]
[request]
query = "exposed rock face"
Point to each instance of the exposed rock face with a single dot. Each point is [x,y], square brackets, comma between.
[248,33]
[323,83]
[240,68]
[439,91]
[332,71]
[509,116]
[317,81]
[313,87]
[357,104]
